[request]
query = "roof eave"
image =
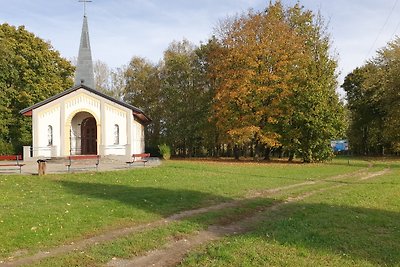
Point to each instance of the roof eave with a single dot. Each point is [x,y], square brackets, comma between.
[28,111]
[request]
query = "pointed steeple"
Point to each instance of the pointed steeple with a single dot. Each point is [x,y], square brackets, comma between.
[84,69]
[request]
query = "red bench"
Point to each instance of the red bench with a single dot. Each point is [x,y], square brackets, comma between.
[143,157]
[82,162]
[11,161]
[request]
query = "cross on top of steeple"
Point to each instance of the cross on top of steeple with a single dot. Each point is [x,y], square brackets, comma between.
[84,5]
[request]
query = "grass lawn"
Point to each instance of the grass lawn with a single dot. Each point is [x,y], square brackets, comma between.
[41,212]
[356,225]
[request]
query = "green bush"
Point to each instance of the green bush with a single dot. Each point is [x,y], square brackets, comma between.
[6,148]
[165,151]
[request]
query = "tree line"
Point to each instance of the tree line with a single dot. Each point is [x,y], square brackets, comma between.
[373,97]
[264,83]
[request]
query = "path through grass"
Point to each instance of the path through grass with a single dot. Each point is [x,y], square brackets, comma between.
[357,224]
[40,212]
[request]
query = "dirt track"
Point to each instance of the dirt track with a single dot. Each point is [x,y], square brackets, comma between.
[174,252]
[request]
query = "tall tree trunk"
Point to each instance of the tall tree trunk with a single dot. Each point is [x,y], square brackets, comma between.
[252,153]
[267,153]
[291,156]
[257,151]
[236,152]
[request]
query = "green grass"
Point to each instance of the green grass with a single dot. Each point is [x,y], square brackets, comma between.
[126,247]
[41,212]
[357,224]
[138,243]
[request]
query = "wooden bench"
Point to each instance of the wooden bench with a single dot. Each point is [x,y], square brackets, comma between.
[82,162]
[144,157]
[12,161]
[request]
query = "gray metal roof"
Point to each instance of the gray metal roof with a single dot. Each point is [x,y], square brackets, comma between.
[143,118]
[84,69]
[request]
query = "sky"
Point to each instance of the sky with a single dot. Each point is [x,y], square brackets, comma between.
[121,29]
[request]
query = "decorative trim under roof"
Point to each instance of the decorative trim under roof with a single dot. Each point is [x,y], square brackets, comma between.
[138,113]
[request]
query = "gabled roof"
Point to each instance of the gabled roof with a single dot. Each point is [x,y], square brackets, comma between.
[138,113]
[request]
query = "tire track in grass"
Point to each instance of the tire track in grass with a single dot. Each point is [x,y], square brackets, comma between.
[214,232]
[174,252]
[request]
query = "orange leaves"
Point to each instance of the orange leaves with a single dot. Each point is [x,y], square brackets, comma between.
[244,134]
[275,81]
[254,69]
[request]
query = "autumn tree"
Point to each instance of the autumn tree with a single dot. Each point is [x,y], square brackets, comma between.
[255,68]
[276,82]
[265,81]
[30,71]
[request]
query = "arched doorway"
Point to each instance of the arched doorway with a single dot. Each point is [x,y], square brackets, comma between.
[89,136]
[83,134]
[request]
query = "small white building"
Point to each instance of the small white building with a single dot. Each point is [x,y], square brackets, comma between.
[82,120]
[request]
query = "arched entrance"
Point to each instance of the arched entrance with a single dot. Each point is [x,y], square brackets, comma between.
[89,136]
[83,134]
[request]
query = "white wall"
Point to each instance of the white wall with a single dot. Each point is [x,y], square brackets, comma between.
[82,100]
[137,138]
[115,115]
[46,117]
[61,112]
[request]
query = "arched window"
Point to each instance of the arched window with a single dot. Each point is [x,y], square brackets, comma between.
[116,134]
[50,135]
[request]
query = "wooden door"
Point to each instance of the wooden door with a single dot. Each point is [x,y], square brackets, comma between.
[89,137]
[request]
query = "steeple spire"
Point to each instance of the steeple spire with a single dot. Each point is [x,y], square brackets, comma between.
[84,69]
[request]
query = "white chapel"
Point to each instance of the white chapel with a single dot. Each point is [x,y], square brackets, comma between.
[83,121]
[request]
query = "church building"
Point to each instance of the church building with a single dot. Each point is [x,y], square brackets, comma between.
[82,120]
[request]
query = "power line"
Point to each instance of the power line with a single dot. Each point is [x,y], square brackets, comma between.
[395,30]
[383,27]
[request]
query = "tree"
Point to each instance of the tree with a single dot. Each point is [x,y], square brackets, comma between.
[204,60]
[317,116]
[255,69]
[276,82]
[366,118]
[388,62]
[143,89]
[109,81]
[177,95]
[102,75]
[30,71]
[185,99]
[373,100]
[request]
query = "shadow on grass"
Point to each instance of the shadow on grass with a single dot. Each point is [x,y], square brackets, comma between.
[366,234]
[155,200]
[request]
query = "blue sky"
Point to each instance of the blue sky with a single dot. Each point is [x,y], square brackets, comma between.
[120,29]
